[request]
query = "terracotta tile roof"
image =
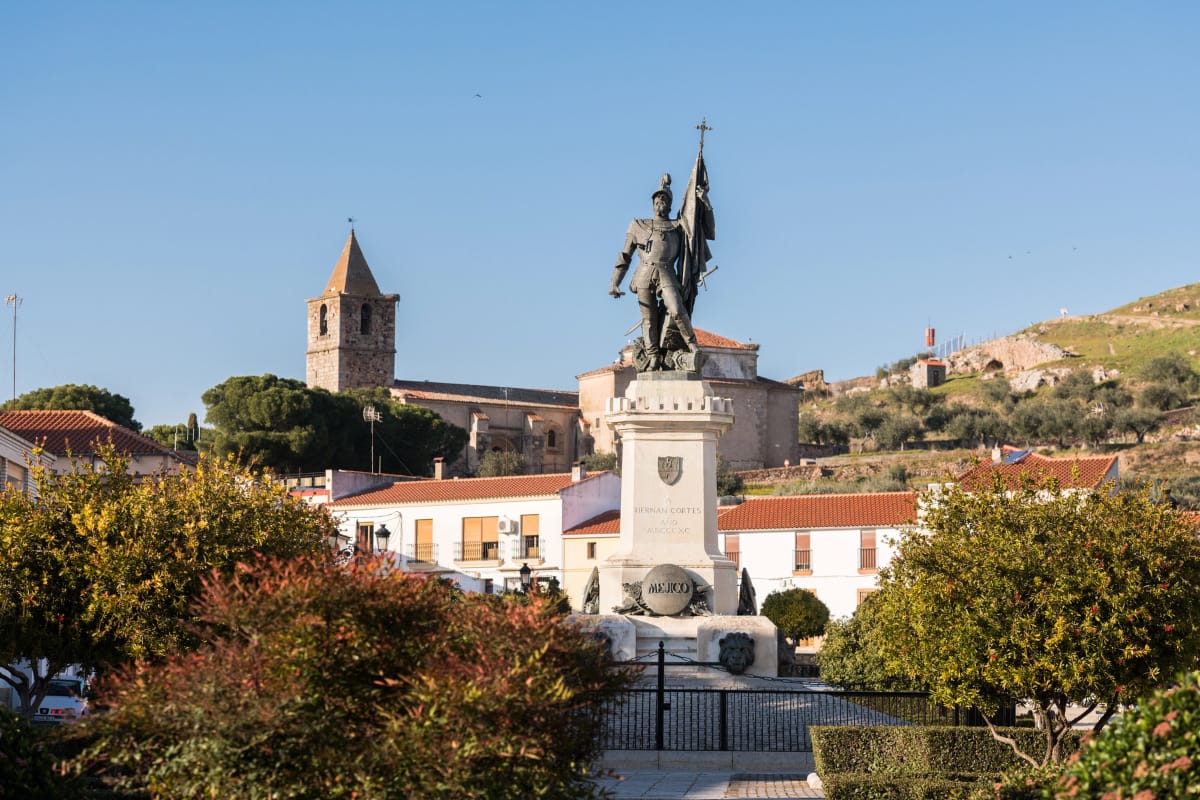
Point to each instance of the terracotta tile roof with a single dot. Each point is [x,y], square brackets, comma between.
[604,369]
[77,431]
[888,509]
[807,511]
[461,489]
[475,393]
[709,339]
[608,522]
[1088,472]
[351,275]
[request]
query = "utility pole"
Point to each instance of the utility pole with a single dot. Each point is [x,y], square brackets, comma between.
[14,301]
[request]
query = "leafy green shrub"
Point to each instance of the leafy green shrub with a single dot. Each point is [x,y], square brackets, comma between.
[1024,783]
[501,463]
[798,613]
[600,462]
[1152,750]
[728,481]
[358,682]
[851,655]
[27,769]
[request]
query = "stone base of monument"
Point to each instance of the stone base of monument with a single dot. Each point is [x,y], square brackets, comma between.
[692,644]
[668,580]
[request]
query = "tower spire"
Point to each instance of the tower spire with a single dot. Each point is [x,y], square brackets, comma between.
[351,275]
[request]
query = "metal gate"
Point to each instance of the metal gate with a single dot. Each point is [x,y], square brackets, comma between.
[756,720]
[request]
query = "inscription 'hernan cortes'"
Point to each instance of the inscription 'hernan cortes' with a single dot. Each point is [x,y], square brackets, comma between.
[667,509]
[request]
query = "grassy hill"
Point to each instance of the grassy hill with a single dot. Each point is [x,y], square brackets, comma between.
[1115,347]
[1129,336]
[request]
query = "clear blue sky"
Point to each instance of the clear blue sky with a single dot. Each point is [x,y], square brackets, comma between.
[175,178]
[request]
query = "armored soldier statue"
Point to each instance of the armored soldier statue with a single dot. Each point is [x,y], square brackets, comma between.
[672,254]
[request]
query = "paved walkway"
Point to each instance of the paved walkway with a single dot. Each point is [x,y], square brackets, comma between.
[659,785]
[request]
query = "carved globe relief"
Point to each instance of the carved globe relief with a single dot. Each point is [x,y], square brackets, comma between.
[667,590]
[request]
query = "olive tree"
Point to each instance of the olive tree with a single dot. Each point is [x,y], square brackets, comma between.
[1055,598]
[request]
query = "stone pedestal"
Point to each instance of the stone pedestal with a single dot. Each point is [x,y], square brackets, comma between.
[685,639]
[668,424]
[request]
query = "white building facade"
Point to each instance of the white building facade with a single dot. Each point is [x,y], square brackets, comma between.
[830,544]
[478,532]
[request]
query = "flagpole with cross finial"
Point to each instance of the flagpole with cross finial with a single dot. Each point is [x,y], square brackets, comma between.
[702,127]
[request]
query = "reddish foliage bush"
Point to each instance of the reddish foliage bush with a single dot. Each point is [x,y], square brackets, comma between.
[326,682]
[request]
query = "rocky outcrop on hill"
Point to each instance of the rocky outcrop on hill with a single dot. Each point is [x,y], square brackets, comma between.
[1008,354]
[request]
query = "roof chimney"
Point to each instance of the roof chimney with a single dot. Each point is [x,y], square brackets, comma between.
[439,464]
[578,473]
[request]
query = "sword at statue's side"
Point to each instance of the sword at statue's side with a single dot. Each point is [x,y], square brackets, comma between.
[703,275]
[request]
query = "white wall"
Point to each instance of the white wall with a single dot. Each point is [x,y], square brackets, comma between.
[447,532]
[589,498]
[769,557]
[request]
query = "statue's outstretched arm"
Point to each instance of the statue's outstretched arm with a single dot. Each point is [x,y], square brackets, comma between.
[624,259]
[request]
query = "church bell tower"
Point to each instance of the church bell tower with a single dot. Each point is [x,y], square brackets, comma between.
[351,328]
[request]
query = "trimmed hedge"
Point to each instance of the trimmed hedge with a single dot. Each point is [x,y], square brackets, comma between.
[916,762]
[887,787]
[923,750]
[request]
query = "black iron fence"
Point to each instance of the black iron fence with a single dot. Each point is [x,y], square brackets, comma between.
[758,720]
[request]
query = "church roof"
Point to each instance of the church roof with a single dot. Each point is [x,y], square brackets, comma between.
[352,275]
[475,393]
[77,431]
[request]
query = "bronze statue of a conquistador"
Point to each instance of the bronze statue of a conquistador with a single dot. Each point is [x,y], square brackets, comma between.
[672,254]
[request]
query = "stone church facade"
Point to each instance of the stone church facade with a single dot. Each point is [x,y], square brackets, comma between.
[765,430]
[352,344]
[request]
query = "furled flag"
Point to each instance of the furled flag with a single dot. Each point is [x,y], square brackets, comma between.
[699,227]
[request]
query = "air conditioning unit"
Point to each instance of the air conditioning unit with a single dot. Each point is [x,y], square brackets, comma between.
[507,525]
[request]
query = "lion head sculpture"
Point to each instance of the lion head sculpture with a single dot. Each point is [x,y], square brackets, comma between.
[737,652]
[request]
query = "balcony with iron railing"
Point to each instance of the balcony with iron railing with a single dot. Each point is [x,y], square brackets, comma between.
[866,559]
[478,551]
[802,561]
[529,549]
[422,557]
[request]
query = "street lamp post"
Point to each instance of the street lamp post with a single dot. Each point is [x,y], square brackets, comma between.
[382,534]
[526,578]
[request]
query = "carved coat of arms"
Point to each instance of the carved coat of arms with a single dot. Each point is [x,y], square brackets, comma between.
[670,468]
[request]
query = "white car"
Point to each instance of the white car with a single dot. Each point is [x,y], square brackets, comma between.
[64,702]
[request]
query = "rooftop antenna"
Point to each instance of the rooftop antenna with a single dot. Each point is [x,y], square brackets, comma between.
[14,301]
[372,415]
